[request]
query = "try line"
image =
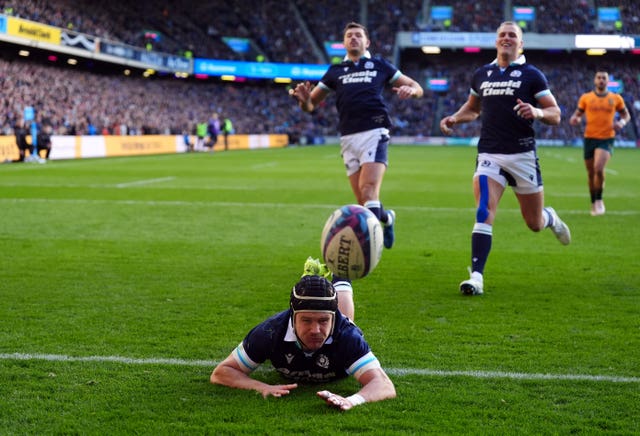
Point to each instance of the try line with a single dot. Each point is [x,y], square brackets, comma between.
[392,371]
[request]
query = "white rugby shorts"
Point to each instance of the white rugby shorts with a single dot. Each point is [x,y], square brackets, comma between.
[521,171]
[364,147]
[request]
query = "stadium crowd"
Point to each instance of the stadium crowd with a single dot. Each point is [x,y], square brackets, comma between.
[277,28]
[76,101]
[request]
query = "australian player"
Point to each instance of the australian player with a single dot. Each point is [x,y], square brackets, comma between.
[364,121]
[599,108]
[509,95]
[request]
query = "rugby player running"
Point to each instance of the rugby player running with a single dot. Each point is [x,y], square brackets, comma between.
[508,95]
[599,108]
[364,121]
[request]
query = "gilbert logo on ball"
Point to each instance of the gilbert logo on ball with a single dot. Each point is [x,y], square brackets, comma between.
[351,242]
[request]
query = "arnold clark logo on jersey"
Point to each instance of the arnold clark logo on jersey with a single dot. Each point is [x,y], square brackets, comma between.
[358,77]
[505,87]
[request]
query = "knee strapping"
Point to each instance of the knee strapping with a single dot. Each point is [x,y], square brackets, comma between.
[342,286]
[482,213]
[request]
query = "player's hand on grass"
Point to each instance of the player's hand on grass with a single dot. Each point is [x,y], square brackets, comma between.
[335,400]
[278,390]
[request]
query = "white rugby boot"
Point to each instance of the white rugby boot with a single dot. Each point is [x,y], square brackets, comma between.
[472,286]
[559,228]
[597,208]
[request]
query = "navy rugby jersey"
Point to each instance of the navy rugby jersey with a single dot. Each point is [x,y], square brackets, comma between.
[344,353]
[503,131]
[358,89]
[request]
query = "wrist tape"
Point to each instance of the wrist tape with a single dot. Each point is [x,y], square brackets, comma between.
[356,399]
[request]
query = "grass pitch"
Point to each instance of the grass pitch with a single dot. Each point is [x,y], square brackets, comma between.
[125,280]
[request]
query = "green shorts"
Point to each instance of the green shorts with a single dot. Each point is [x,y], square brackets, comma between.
[591,144]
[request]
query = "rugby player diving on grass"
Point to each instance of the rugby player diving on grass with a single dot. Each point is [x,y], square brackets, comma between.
[311,342]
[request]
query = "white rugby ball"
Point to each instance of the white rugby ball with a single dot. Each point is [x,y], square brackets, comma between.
[351,242]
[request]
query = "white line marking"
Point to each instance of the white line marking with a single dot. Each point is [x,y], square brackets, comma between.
[168,203]
[393,371]
[514,375]
[107,186]
[278,205]
[115,359]
[144,182]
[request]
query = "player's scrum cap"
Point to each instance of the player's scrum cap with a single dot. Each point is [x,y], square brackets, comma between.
[314,293]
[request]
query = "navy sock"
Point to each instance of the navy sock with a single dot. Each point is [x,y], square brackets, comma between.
[378,210]
[481,239]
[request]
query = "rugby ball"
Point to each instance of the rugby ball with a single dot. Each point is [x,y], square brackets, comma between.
[351,242]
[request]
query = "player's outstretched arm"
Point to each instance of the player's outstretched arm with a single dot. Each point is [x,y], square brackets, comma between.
[229,373]
[576,118]
[469,111]
[625,117]
[405,87]
[376,386]
[308,96]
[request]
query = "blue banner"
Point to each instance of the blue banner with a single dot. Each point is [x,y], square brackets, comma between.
[258,70]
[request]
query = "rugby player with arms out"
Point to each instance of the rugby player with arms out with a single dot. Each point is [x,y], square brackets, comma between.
[509,95]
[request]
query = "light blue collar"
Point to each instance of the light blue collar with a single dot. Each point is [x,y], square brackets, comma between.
[365,55]
[520,61]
